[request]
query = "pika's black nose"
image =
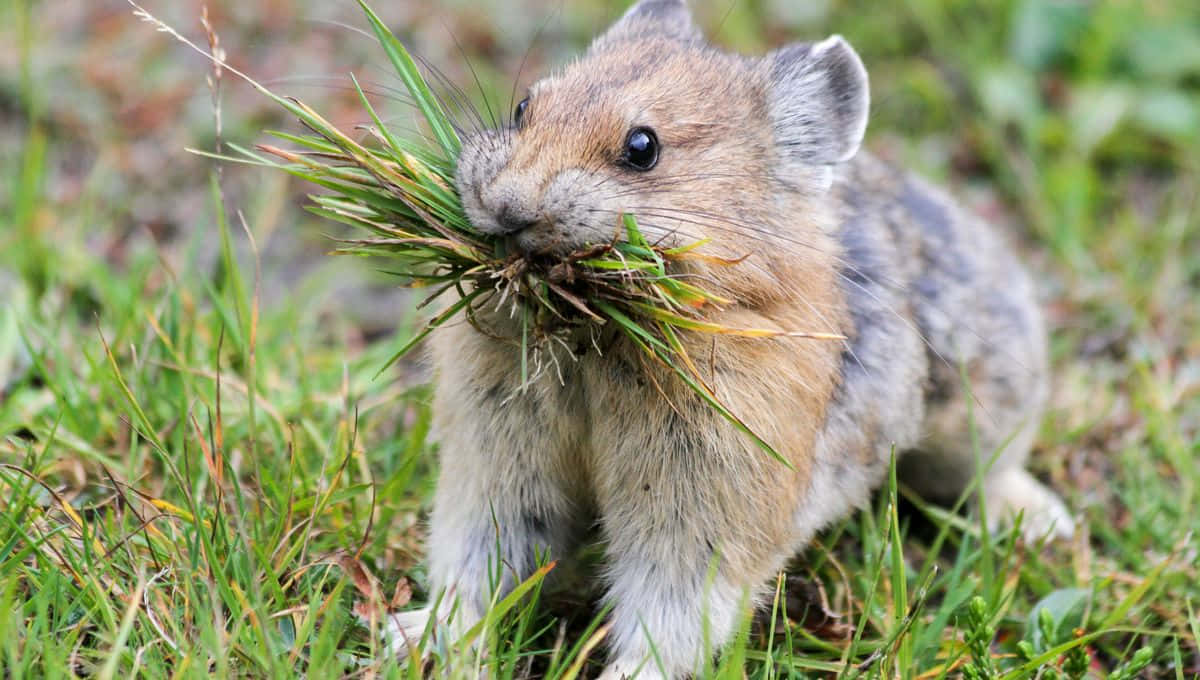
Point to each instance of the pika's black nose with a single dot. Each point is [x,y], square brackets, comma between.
[511,220]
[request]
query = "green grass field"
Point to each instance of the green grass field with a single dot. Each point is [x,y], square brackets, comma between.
[201,476]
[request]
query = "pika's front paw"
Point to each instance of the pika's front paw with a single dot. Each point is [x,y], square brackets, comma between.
[1014,491]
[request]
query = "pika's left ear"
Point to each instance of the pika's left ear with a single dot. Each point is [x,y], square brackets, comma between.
[818,101]
[653,18]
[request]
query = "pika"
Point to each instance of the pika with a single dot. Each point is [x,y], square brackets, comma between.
[760,155]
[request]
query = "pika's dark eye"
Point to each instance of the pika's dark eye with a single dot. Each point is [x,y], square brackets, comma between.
[641,149]
[519,114]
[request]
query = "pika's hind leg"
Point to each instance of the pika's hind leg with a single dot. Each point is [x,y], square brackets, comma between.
[988,431]
[976,308]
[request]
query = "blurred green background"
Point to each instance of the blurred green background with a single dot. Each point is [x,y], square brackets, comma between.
[1075,125]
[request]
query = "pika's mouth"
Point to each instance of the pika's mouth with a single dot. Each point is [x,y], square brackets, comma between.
[541,241]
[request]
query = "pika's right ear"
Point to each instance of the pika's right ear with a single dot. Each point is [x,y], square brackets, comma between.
[652,18]
[818,101]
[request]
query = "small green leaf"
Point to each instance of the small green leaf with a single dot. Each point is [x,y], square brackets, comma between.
[1062,611]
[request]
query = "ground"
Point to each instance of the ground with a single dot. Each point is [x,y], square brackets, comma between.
[201,475]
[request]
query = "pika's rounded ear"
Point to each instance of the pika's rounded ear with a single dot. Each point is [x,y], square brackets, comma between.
[653,18]
[818,100]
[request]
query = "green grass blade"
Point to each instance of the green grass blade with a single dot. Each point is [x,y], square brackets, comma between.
[430,327]
[410,74]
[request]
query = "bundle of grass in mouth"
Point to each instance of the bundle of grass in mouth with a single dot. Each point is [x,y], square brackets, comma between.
[400,191]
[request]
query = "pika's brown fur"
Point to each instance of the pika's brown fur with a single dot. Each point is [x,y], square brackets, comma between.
[761,156]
